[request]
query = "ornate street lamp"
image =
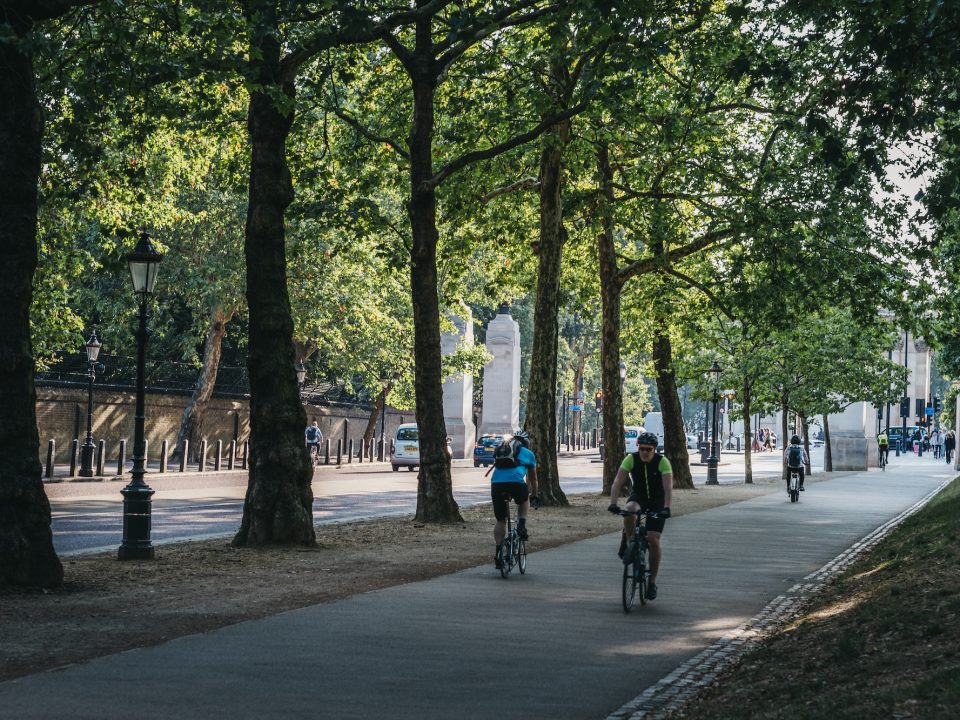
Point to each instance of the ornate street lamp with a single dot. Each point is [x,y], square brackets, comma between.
[301,377]
[713,377]
[87,449]
[144,262]
[728,396]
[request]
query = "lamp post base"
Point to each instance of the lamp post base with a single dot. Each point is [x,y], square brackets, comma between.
[137,506]
[86,459]
[712,471]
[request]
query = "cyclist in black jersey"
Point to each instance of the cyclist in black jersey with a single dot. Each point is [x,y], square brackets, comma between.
[652,477]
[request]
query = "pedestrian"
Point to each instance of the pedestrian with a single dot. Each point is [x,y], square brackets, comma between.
[773,441]
[936,442]
[766,440]
[949,444]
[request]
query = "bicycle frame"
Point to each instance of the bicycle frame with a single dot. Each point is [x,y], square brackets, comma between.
[636,572]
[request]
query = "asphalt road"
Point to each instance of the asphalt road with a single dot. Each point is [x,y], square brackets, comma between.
[552,643]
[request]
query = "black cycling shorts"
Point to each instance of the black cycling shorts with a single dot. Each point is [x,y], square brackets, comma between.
[518,492]
[653,524]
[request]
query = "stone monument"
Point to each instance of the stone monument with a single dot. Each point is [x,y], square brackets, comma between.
[501,376]
[458,391]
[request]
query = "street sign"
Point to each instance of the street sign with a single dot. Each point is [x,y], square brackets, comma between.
[576,408]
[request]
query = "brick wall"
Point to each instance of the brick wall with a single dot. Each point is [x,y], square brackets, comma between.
[62,416]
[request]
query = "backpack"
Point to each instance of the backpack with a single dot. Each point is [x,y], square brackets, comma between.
[795,456]
[505,454]
[313,434]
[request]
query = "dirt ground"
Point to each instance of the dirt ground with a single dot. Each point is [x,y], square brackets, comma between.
[106,606]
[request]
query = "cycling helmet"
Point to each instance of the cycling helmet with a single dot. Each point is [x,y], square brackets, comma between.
[795,440]
[522,437]
[648,438]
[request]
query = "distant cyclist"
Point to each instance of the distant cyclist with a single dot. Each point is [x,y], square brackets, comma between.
[883,446]
[514,474]
[313,438]
[652,476]
[795,458]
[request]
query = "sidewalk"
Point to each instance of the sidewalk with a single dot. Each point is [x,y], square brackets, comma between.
[552,643]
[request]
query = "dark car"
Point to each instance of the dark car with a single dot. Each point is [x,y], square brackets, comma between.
[483,450]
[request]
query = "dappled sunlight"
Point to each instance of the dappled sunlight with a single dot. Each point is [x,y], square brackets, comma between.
[837,608]
[867,573]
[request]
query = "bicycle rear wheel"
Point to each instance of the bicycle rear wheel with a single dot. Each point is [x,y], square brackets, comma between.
[522,556]
[507,558]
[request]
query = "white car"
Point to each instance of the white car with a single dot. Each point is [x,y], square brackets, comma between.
[630,435]
[405,447]
[691,442]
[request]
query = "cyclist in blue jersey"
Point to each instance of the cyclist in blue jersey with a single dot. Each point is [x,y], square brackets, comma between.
[514,469]
[652,477]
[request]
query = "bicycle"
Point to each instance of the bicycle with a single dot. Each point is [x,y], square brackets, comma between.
[636,571]
[513,550]
[793,484]
[883,459]
[314,450]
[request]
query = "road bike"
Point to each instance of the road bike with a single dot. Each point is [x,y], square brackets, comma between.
[793,484]
[513,550]
[636,569]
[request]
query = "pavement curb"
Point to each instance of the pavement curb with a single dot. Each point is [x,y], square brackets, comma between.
[671,693]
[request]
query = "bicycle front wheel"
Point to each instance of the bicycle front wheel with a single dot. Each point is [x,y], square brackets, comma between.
[640,574]
[629,585]
[522,556]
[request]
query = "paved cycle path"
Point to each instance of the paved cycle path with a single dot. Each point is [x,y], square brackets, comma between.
[552,643]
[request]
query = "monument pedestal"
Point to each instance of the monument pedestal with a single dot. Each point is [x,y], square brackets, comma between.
[458,391]
[501,376]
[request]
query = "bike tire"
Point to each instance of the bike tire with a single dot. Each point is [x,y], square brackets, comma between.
[505,561]
[640,574]
[794,495]
[629,590]
[522,557]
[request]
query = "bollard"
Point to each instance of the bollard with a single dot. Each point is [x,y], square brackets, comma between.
[350,451]
[51,453]
[370,449]
[101,456]
[185,455]
[122,459]
[202,463]
[73,457]
[360,451]
[216,460]
[339,451]
[231,454]
[246,448]
[326,451]
[163,456]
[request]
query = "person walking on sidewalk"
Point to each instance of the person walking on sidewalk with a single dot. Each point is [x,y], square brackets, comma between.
[949,445]
[652,477]
[514,474]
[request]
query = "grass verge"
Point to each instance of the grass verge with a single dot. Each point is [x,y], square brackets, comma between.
[881,641]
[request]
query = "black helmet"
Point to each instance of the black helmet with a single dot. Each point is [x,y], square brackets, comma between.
[522,437]
[648,438]
[795,440]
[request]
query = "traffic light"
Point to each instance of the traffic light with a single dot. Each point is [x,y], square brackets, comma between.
[598,400]
[904,406]
[936,404]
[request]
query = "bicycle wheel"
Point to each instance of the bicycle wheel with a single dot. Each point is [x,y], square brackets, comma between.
[522,556]
[794,495]
[640,574]
[506,557]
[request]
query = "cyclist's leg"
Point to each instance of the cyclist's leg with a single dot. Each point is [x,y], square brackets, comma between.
[521,497]
[802,471]
[653,540]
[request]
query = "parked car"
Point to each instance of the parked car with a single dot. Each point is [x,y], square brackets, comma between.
[484,449]
[405,447]
[691,442]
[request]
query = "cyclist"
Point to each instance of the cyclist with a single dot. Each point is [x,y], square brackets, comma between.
[514,474]
[313,437]
[652,478]
[795,458]
[883,446]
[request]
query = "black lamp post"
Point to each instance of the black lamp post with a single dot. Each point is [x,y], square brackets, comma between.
[384,384]
[713,377]
[144,262]
[87,449]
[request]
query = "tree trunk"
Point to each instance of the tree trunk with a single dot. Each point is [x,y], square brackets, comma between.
[806,438]
[191,425]
[278,507]
[541,415]
[747,437]
[610,288]
[827,455]
[435,501]
[27,557]
[674,436]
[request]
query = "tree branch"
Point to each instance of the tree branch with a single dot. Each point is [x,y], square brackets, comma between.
[356,125]
[524,184]
[701,287]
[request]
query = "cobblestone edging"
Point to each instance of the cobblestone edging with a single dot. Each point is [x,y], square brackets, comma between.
[671,693]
